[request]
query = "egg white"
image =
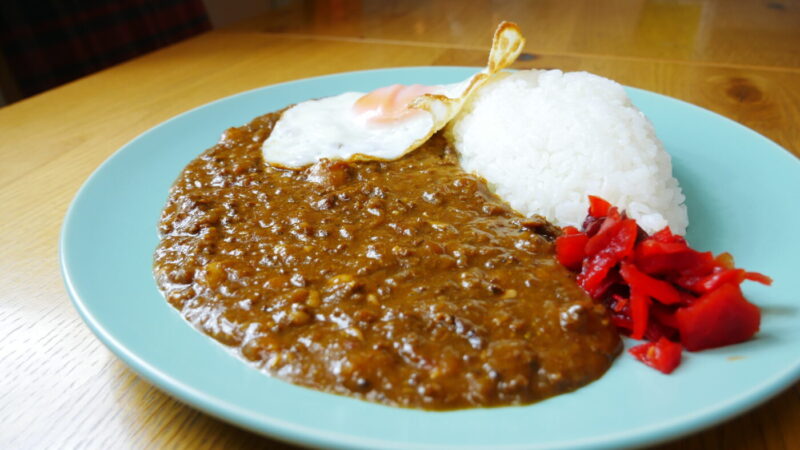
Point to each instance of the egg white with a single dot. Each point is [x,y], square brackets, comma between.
[331,128]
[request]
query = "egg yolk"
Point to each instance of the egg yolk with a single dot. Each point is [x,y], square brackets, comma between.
[391,103]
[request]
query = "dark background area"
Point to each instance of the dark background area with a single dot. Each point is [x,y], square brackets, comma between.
[46,43]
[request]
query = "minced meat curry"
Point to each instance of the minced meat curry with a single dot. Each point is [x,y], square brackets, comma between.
[405,282]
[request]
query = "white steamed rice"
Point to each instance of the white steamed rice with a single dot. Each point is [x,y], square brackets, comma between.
[564,136]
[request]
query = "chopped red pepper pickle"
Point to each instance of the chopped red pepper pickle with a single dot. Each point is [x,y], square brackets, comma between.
[718,318]
[570,248]
[662,355]
[598,207]
[658,288]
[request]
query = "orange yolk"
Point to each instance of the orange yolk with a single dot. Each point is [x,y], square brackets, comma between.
[390,104]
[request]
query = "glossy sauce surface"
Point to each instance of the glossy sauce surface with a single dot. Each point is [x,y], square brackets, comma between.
[406,282]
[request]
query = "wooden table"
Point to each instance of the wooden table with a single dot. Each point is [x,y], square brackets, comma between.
[59,387]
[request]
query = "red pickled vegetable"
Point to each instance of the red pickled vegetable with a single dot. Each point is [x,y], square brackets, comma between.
[664,315]
[601,290]
[598,207]
[570,248]
[662,355]
[622,322]
[608,229]
[640,313]
[720,276]
[619,304]
[665,235]
[656,330]
[718,318]
[594,272]
[618,246]
[717,279]
[758,278]
[591,225]
[658,288]
[661,258]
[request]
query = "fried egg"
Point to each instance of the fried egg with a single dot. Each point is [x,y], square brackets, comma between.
[384,124]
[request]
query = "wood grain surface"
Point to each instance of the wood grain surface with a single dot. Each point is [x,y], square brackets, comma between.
[61,388]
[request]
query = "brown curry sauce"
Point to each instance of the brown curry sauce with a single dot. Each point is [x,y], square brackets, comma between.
[406,282]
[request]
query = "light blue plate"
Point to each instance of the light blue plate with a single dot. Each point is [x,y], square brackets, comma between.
[743,196]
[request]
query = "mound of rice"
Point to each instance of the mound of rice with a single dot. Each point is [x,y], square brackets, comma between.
[544,140]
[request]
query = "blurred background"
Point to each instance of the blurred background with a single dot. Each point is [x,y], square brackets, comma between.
[46,43]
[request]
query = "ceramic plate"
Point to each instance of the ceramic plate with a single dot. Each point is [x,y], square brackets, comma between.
[742,194]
